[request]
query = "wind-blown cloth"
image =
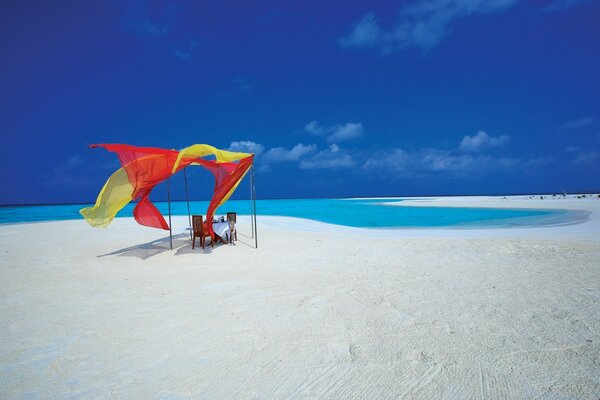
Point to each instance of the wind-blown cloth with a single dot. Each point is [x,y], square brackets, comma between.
[142,168]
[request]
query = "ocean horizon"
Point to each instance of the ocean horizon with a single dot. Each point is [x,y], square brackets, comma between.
[365,212]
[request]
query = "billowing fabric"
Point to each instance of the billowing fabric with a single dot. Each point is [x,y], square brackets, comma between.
[142,168]
[202,150]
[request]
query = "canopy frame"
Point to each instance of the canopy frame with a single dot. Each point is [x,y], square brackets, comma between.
[187,199]
[142,168]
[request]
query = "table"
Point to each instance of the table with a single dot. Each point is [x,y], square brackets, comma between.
[221,229]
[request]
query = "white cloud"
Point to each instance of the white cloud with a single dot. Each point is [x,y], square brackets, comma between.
[443,160]
[272,155]
[365,33]
[577,123]
[314,128]
[482,141]
[348,131]
[324,161]
[426,162]
[281,154]
[396,160]
[331,158]
[423,23]
[336,133]
[246,146]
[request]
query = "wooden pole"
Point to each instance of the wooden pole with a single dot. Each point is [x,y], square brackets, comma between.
[187,198]
[170,227]
[254,208]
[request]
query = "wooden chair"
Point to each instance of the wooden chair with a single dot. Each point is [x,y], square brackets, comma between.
[200,231]
[231,216]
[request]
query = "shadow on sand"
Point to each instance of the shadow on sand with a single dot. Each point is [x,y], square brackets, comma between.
[182,244]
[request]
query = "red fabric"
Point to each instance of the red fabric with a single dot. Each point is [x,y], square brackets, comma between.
[226,176]
[146,167]
[146,213]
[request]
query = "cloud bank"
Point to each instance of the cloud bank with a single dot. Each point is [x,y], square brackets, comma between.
[336,133]
[469,159]
[423,24]
[576,124]
[247,146]
[281,154]
[481,141]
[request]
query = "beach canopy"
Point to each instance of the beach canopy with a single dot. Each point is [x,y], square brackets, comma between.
[142,168]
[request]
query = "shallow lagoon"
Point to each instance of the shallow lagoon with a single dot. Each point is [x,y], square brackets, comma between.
[362,213]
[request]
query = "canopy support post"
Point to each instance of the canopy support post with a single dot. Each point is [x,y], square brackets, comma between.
[187,198]
[169,198]
[254,209]
[251,209]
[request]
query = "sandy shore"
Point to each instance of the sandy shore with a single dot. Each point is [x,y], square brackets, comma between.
[316,312]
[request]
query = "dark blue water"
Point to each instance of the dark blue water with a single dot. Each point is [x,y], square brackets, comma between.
[369,213]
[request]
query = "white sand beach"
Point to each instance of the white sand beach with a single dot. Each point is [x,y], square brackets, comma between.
[316,312]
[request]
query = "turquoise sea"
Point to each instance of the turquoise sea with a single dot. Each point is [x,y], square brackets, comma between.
[364,213]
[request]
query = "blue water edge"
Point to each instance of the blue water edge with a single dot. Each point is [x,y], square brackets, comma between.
[361,213]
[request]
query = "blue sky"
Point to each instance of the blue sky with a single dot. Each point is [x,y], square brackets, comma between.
[348,98]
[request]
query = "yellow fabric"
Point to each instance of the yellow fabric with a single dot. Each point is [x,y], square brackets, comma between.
[115,195]
[201,150]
